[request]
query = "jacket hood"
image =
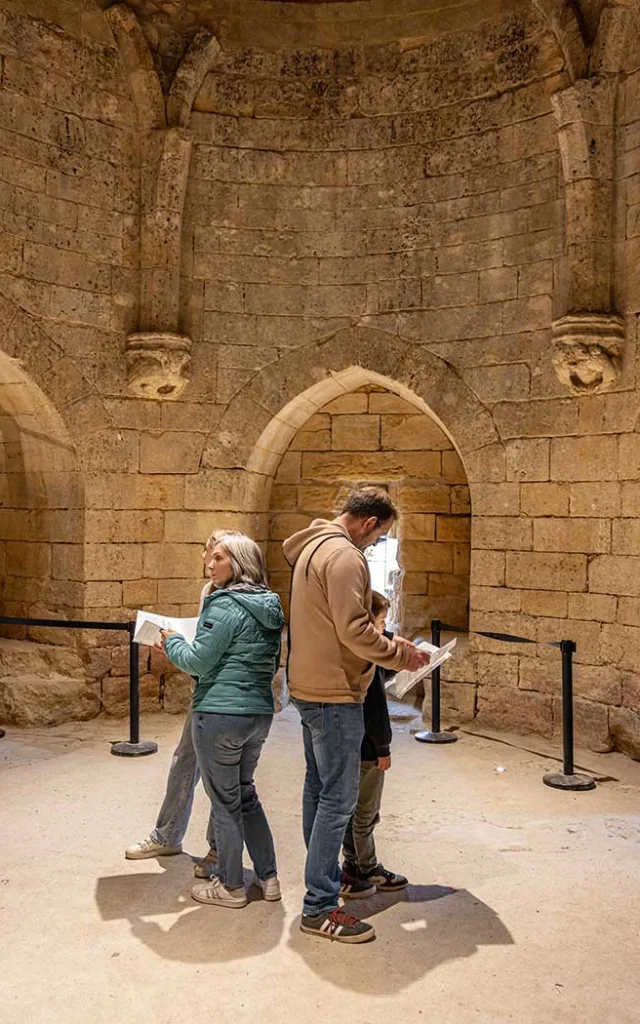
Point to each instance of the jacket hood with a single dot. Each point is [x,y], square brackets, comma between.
[319,528]
[261,602]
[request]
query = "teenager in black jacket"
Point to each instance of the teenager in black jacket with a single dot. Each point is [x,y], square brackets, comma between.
[361,874]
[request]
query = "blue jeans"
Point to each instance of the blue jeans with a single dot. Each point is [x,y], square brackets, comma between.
[228,748]
[332,736]
[175,812]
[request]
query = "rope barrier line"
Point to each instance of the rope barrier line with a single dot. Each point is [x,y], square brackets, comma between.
[134,746]
[507,638]
[68,623]
[568,778]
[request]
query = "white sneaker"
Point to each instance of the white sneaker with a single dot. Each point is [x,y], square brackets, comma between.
[270,887]
[214,892]
[149,848]
[204,868]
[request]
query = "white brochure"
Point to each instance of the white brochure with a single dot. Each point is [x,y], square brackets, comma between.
[405,680]
[148,628]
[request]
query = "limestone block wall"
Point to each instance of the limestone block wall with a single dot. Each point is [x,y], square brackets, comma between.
[374,436]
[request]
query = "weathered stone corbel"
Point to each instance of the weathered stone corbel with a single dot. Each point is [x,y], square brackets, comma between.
[158,357]
[158,364]
[588,350]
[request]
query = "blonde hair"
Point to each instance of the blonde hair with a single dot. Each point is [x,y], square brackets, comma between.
[217,535]
[247,562]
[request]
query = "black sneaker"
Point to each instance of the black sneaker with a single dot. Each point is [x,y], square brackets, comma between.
[354,888]
[338,926]
[387,881]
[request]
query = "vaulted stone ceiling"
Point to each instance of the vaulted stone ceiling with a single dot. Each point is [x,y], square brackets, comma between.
[162,19]
[170,25]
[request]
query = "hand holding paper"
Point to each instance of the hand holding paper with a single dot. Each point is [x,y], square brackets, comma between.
[149,626]
[406,680]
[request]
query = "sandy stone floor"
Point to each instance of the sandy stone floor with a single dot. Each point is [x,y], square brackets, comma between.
[523,905]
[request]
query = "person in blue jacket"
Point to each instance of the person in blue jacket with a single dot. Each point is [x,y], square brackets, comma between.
[234,655]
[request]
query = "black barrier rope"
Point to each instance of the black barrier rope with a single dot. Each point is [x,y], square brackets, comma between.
[507,638]
[568,778]
[134,746]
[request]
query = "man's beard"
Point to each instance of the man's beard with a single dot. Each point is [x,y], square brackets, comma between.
[368,539]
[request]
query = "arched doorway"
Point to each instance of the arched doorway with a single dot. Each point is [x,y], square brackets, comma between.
[43,675]
[251,444]
[373,436]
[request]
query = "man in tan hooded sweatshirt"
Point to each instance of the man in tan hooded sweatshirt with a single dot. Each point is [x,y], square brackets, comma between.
[333,649]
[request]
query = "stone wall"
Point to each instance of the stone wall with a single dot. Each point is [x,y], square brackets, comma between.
[250,210]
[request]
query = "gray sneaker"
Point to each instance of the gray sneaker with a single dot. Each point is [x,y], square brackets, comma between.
[270,888]
[338,926]
[205,867]
[149,848]
[214,892]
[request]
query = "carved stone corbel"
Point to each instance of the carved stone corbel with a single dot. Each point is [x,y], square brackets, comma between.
[587,350]
[158,364]
[158,357]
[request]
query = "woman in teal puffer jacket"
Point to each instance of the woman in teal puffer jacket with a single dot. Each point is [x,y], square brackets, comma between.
[235,654]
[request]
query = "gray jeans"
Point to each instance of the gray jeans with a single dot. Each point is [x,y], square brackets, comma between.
[358,848]
[184,774]
[228,749]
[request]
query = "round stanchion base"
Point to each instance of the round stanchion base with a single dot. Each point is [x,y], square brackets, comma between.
[435,737]
[577,782]
[127,749]
[2,733]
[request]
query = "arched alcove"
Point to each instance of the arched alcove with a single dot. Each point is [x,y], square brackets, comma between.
[41,502]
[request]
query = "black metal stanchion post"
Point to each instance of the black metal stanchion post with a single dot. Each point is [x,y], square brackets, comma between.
[435,735]
[133,747]
[2,733]
[567,779]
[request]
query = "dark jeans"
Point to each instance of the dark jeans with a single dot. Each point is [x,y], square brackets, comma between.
[332,736]
[228,748]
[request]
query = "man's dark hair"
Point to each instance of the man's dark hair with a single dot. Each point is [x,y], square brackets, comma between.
[366,502]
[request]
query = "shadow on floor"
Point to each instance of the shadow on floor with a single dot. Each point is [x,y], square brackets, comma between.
[201,934]
[418,929]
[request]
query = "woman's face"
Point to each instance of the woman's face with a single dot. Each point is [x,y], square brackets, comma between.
[206,558]
[219,567]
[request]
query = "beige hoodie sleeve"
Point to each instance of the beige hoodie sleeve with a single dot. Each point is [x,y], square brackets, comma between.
[346,582]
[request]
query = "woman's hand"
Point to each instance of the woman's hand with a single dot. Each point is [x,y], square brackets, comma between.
[384,763]
[164,633]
